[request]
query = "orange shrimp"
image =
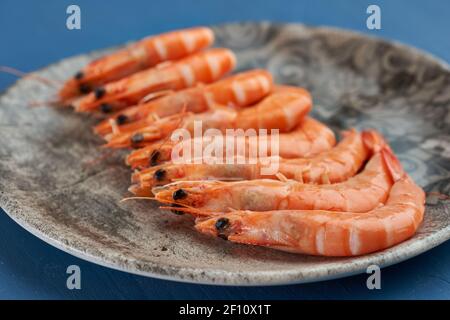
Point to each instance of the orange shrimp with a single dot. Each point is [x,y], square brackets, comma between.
[202,67]
[325,233]
[308,139]
[283,109]
[335,165]
[361,193]
[143,54]
[239,90]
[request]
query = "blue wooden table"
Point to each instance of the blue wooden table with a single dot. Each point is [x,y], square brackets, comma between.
[34,34]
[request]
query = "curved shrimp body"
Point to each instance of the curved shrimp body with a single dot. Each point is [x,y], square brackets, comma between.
[308,139]
[326,233]
[335,165]
[288,106]
[239,90]
[202,67]
[144,54]
[361,193]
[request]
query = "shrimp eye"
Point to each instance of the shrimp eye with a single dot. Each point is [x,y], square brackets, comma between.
[121,119]
[159,174]
[222,224]
[106,108]
[99,92]
[137,138]
[79,75]
[174,205]
[179,194]
[154,158]
[84,88]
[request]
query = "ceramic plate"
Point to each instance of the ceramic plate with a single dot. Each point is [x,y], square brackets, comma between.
[53,185]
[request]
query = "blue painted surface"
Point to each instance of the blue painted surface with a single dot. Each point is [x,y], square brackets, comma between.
[33,34]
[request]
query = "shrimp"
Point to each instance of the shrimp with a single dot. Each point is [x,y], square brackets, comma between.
[144,54]
[361,193]
[202,67]
[333,166]
[283,109]
[325,233]
[239,90]
[308,139]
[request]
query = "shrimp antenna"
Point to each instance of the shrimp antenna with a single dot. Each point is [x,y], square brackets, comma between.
[184,206]
[155,95]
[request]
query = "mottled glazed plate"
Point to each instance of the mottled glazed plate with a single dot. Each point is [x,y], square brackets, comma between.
[52,186]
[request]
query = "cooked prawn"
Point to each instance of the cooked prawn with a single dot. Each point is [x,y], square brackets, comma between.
[361,193]
[332,166]
[202,67]
[308,139]
[146,53]
[239,90]
[282,109]
[325,233]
